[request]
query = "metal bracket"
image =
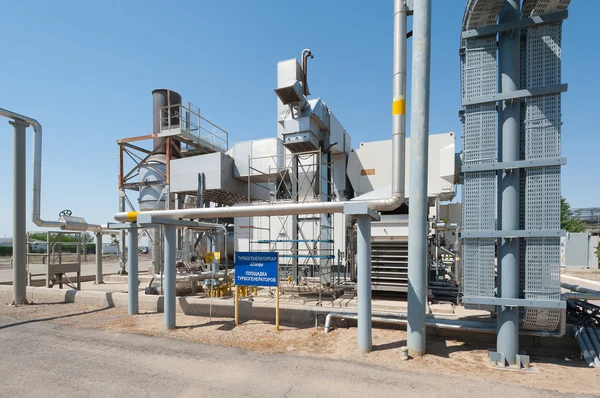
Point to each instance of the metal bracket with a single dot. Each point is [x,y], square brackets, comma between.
[513,302]
[147,221]
[530,92]
[518,164]
[519,24]
[531,233]
[361,208]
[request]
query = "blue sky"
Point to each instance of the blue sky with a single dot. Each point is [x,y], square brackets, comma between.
[86,70]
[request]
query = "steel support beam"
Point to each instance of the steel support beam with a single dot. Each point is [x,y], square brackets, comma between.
[363,260]
[99,277]
[170,274]
[132,260]
[516,94]
[518,164]
[19,213]
[508,119]
[419,138]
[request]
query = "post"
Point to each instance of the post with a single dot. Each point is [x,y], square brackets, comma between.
[99,278]
[236,305]
[170,274]
[277,305]
[122,270]
[19,213]
[156,255]
[363,259]
[419,141]
[508,184]
[132,260]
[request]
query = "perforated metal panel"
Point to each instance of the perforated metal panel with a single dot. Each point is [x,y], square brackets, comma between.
[542,125]
[481,13]
[541,7]
[479,77]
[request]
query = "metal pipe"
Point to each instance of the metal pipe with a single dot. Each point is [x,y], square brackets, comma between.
[589,346]
[432,322]
[132,260]
[99,277]
[579,289]
[170,275]
[37,171]
[305,54]
[156,250]
[19,213]
[363,261]
[508,249]
[584,349]
[595,343]
[417,221]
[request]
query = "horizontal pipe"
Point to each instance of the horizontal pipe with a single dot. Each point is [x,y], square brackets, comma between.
[594,294]
[438,323]
[240,211]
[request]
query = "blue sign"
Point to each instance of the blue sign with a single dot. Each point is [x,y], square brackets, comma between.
[256,268]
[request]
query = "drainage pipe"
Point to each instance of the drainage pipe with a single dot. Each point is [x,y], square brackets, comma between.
[419,140]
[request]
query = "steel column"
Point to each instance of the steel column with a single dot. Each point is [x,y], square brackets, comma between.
[132,260]
[170,274]
[19,213]
[122,270]
[99,278]
[419,140]
[508,120]
[156,254]
[363,262]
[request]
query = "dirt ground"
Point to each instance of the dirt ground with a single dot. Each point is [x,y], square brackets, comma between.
[445,357]
[591,274]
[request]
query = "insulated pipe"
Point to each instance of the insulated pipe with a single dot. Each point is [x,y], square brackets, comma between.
[594,339]
[363,261]
[433,322]
[508,183]
[19,213]
[584,349]
[99,278]
[170,275]
[589,347]
[417,217]
[132,260]
[579,289]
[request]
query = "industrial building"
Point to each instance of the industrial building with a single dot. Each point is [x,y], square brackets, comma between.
[361,219]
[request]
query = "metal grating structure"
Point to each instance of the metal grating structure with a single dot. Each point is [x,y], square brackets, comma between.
[540,125]
[479,75]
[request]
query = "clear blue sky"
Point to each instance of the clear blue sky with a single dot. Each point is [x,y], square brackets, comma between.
[86,70]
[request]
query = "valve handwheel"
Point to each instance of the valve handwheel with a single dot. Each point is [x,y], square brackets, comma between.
[65,213]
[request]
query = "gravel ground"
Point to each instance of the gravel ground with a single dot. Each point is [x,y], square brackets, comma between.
[138,357]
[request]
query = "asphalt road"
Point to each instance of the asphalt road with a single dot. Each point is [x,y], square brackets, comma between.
[40,358]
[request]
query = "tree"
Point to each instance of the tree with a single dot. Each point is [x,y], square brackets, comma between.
[568,221]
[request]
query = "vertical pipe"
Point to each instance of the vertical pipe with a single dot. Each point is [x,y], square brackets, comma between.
[419,141]
[156,250]
[122,270]
[170,274]
[19,213]
[399,96]
[132,260]
[99,278]
[363,259]
[508,119]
